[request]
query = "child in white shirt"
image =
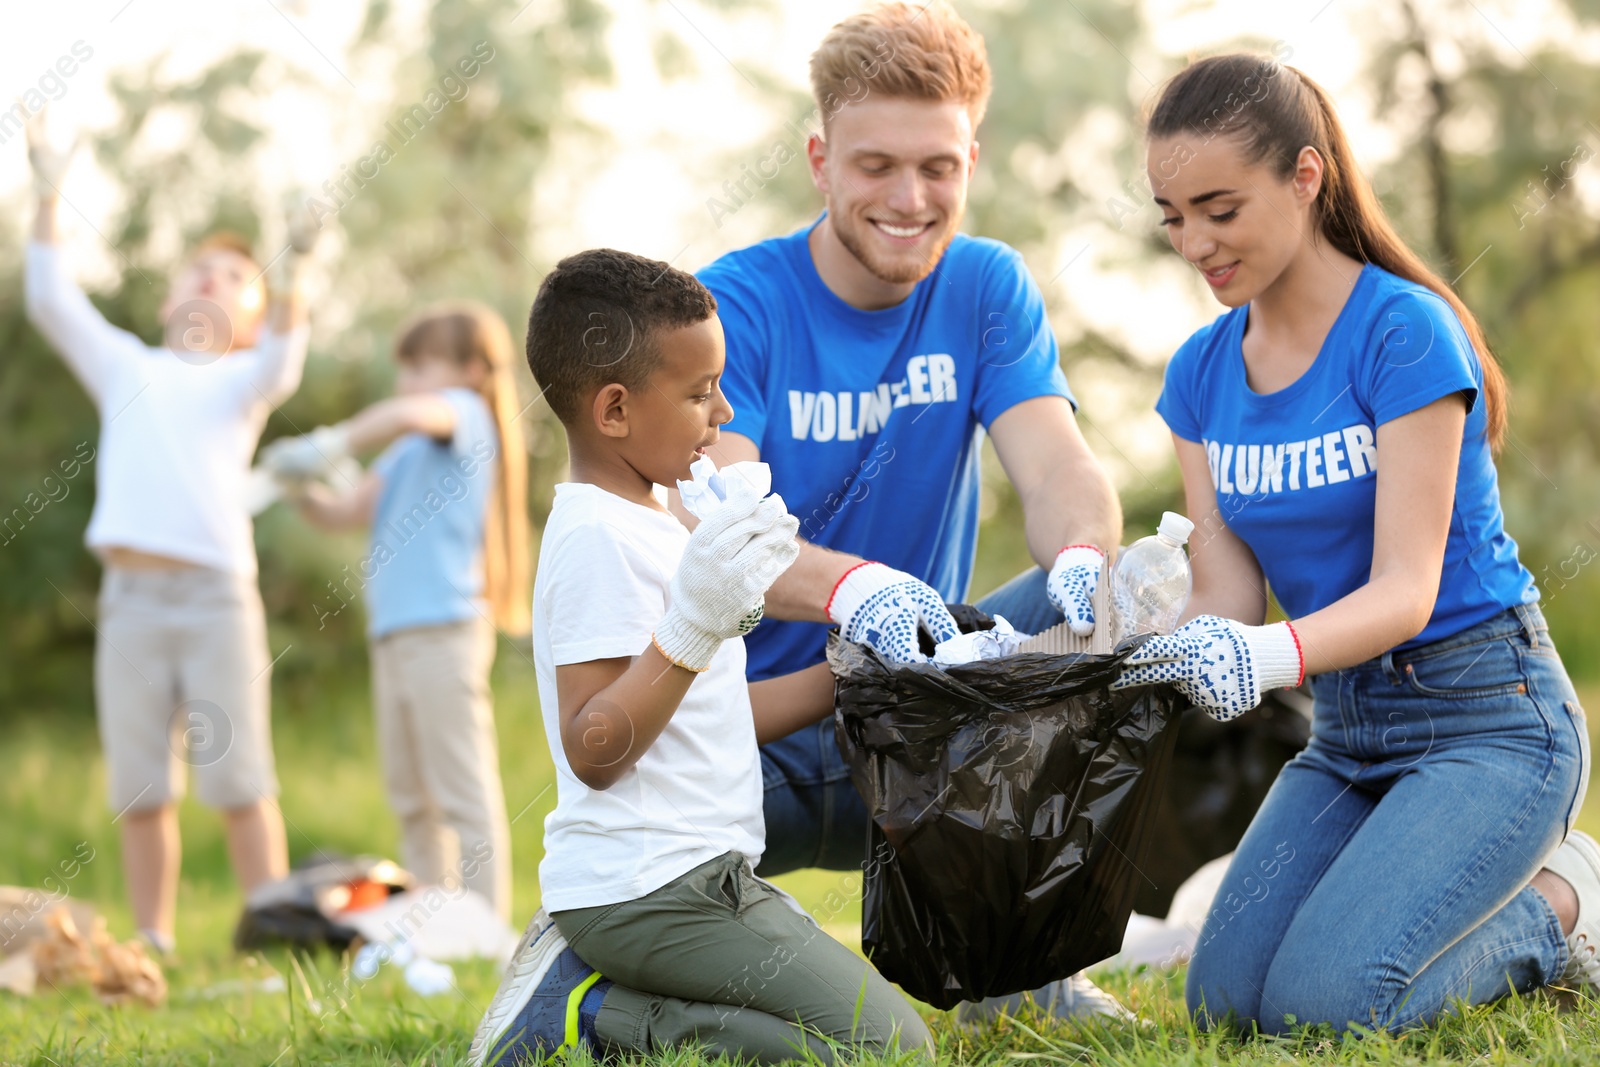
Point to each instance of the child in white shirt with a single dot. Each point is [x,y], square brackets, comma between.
[181,667]
[658,933]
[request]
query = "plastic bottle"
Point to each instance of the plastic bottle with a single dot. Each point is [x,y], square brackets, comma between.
[1151,582]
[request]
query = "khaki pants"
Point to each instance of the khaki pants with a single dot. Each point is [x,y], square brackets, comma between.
[182,677]
[717,958]
[441,764]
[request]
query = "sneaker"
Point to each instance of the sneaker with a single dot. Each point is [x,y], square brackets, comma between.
[1074,997]
[535,1012]
[160,946]
[1578,862]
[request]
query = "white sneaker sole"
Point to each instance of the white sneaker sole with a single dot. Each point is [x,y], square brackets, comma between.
[540,945]
[1577,861]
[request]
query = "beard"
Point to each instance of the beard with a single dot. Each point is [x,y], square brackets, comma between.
[899,270]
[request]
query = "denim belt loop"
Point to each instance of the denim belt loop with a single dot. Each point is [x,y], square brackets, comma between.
[1389,670]
[1529,624]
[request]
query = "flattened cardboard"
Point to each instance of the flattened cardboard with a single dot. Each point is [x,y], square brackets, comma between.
[1060,639]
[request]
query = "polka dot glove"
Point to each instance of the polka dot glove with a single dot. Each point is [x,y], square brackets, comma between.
[1072,583]
[876,605]
[1221,665]
[718,592]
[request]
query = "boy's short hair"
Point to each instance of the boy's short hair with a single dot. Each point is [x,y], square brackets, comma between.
[223,241]
[897,49]
[597,319]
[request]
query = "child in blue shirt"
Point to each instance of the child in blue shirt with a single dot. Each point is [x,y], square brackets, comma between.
[448,563]
[1336,432]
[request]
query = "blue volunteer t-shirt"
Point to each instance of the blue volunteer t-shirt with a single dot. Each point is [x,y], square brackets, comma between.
[1295,471]
[870,420]
[426,562]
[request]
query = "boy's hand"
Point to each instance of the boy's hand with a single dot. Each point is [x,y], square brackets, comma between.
[48,162]
[300,224]
[731,560]
[301,227]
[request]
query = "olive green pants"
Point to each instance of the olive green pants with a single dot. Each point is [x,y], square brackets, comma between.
[719,959]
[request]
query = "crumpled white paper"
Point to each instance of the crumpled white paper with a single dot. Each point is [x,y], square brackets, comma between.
[440,924]
[425,976]
[979,644]
[710,488]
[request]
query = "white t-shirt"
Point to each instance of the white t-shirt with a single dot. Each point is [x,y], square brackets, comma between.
[176,436]
[605,568]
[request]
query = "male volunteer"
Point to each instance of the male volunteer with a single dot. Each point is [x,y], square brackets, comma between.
[864,353]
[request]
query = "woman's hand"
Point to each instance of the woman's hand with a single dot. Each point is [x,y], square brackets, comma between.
[1222,666]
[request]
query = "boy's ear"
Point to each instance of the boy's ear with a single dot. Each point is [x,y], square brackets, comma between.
[610,410]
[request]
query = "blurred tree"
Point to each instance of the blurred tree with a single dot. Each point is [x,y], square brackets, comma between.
[444,210]
[1499,193]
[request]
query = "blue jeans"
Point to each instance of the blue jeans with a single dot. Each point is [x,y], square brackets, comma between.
[1386,875]
[815,817]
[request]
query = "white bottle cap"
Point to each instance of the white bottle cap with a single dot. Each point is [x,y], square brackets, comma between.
[1175,526]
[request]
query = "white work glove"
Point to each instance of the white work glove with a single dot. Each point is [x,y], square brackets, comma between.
[1221,665]
[322,453]
[48,162]
[301,228]
[1073,579]
[730,562]
[876,605]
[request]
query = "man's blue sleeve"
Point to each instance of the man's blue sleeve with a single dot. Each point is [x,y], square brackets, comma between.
[1017,354]
[744,377]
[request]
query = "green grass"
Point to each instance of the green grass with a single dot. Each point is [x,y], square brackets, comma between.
[274,1009]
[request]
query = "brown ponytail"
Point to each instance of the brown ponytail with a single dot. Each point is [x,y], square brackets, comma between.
[466,332]
[1274,111]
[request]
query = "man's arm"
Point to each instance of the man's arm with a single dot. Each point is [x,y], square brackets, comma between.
[801,594]
[1067,499]
[784,704]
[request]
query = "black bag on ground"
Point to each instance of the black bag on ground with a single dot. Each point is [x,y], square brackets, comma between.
[1011,802]
[1219,775]
[301,910]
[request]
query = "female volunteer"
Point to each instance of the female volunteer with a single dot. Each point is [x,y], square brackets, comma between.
[1337,427]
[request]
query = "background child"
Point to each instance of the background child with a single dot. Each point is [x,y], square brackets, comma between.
[181,667]
[449,561]
[649,854]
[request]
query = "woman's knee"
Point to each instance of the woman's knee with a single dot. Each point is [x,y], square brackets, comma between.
[1331,992]
[1214,1001]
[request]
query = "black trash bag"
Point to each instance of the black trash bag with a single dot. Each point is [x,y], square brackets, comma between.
[1011,803]
[1220,774]
[300,909]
